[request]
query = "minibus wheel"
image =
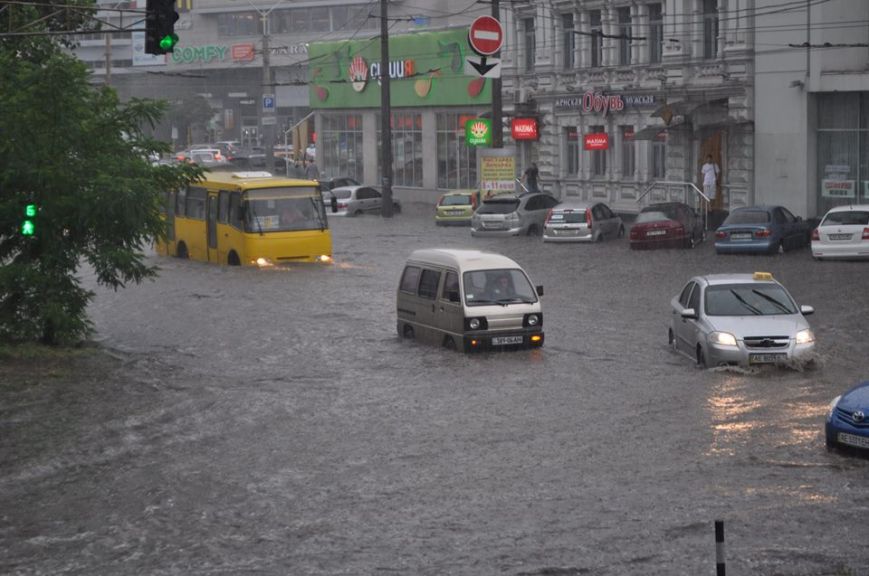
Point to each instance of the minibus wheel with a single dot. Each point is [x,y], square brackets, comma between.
[233,259]
[181,251]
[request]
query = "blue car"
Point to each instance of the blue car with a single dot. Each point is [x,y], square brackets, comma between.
[762,230]
[848,419]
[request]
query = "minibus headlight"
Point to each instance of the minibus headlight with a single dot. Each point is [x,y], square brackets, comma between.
[263,262]
[476,324]
[532,320]
[325,259]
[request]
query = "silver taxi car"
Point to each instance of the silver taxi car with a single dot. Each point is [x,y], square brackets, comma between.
[739,319]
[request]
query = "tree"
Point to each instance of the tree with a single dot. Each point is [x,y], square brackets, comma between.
[81,157]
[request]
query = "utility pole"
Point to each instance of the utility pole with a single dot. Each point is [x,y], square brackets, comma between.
[385,114]
[267,116]
[497,104]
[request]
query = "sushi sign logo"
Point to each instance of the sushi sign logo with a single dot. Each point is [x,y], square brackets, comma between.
[358,73]
[478,132]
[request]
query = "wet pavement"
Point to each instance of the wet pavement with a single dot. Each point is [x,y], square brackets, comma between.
[272,422]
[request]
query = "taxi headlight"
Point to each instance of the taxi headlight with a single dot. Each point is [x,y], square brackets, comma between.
[833,407]
[723,338]
[805,336]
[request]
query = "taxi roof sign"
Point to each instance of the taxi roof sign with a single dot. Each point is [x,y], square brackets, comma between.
[762,276]
[260,174]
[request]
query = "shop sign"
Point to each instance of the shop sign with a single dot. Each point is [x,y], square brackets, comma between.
[478,132]
[243,52]
[596,141]
[601,103]
[289,50]
[358,73]
[838,188]
[524,129]
[203,54]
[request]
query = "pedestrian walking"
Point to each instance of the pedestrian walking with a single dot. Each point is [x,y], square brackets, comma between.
[530,178]
[710,172]
[311,171]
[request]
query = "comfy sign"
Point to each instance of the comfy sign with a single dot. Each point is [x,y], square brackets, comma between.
[596,141]
[524,129]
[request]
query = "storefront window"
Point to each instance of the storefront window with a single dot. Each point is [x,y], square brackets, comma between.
[598,157]
[843,149]
[406,149]
[341,146]
[457,162]
[571,150]
[659,156]
[629,154]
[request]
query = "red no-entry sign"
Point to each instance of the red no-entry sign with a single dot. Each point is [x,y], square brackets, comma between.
[486,35]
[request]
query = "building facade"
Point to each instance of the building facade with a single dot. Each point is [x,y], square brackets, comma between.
[633,94]
[812,102]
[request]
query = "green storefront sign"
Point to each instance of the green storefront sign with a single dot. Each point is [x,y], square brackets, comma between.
[425,69]
[478,132]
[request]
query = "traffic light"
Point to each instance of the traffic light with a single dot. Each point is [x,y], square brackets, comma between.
[28,225]
[160,18]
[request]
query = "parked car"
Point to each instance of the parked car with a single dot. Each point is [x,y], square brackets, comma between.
[739,319]
[208,157]
[356,200]
[761,230]
[667,225]
[582,222]
[229,148]
[847,421]
[842,233]
[327,184]
[510,215]
[457,207]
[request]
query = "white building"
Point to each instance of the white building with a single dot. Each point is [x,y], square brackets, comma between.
[812,104]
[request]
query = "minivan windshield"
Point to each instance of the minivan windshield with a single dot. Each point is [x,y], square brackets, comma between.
[748,300]
[501,286]
[499,206]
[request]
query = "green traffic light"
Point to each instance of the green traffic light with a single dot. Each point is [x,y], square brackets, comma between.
[168,42]
[27,228]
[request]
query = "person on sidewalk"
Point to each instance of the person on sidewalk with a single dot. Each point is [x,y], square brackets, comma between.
[530,178]
[311,171]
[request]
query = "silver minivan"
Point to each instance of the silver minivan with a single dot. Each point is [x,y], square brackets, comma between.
[582,222]
[468,300]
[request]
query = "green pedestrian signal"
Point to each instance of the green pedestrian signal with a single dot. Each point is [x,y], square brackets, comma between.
[28,226]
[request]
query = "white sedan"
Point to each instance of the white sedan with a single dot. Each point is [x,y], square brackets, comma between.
[843,233]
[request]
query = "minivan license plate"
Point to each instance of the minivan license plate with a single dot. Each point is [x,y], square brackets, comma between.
[765,358]
[504,340]
[852,440]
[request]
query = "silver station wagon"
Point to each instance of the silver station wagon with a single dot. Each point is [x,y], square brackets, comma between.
[582,222]
[739,319]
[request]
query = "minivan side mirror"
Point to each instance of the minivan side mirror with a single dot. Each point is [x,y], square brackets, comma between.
[689,314]
[454,296]
[806,310]
[333,203]
[539,290]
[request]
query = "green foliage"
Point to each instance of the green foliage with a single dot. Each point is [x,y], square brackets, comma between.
[81,156]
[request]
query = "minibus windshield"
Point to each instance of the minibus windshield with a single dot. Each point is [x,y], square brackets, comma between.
[284,209]
[501,286]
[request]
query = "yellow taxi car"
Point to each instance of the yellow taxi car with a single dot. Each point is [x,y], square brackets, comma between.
[457,207]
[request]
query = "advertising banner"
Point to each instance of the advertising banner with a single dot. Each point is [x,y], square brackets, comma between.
[425,69]
[596,141]
[524,129]
[497,170]
[838,188]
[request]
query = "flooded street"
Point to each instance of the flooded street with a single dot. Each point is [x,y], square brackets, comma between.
[272,422]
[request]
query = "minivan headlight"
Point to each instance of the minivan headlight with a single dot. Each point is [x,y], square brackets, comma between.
[723,338]
[832,409]
[532,320]
[805,336]
[474,323]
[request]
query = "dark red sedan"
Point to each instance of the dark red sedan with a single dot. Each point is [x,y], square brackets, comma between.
[667,225]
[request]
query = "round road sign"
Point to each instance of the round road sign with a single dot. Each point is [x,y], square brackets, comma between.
[486,35]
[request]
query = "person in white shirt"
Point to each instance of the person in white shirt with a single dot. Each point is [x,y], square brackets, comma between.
[710,171]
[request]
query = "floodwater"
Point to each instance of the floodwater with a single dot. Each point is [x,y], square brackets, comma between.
[272,422]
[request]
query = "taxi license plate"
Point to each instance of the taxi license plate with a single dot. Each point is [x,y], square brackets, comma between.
[852,440]
[840,236]
[765,358]
[742,236]
[454,212]
[504,340]
[656,232]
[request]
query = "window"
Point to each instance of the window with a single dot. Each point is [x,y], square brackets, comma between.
[451,285]
[571,149]
[340,142]
[568,44]
[659,156]
[686,292]
[406,149]
[223,207]
[598,157]
[181,202]
[710,29]
[196,203]
[428,284]
[457,162]
[629,153]
[596,30]
[624,16]
[238,24]
[656,33]
[410,279]
[234,212]
[843,149]
[530,39]
[694,301]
